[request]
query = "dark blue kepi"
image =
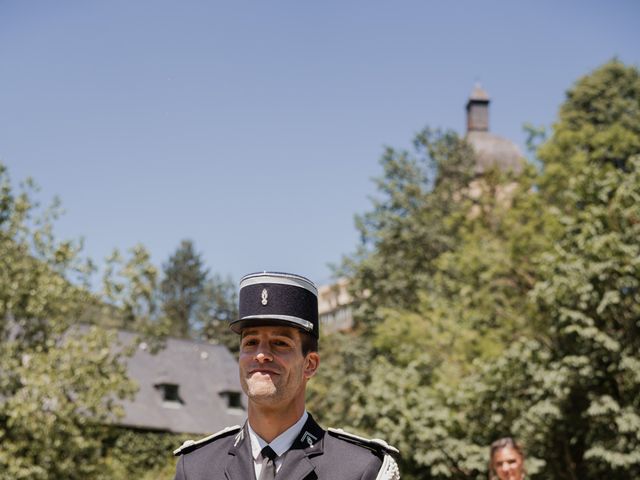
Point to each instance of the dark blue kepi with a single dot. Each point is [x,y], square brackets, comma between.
[276,298]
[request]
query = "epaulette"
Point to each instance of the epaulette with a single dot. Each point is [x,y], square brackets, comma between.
[191,445]
[389,469]
[376,444]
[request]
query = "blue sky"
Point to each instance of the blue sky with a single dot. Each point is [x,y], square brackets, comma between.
[254,128]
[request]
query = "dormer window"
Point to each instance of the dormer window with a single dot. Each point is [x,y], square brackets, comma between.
[232,399]
[169,395]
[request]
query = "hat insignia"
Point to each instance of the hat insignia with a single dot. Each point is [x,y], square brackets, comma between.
[265,296]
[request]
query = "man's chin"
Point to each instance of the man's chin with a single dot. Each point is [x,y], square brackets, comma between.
[261,390]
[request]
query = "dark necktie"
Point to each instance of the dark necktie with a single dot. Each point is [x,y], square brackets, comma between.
[268,464]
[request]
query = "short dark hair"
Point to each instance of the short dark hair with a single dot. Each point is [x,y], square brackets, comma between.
[309,343]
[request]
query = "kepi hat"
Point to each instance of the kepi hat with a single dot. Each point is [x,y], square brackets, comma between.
[276,298]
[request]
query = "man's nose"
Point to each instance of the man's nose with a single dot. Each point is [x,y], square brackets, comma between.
[264,354]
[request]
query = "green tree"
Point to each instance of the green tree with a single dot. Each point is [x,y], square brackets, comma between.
[414,220]
[182,287]
[416,333]
[580,410]
[59,384]
[219,305]
[480,317]
[129,289]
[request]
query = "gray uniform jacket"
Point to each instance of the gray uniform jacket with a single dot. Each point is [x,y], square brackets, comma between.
[316,454]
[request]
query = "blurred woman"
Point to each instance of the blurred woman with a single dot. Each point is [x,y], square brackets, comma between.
[506,460]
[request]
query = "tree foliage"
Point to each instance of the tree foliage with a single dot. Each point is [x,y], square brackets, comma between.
[182,287]
[412,222]
[59,384]
[503,305]
[142,454]
[196,303]
[218,307]
[63,372]
[588,289]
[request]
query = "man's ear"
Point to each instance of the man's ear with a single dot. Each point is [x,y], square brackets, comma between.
[311,364]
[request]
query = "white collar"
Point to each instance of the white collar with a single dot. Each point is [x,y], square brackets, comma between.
[282,443]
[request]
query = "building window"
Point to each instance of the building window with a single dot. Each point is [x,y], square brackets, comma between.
[170,395]
[232,399]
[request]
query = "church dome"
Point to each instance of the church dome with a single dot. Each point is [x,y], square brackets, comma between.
[491,150]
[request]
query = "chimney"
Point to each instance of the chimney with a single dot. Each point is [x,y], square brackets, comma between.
[478,110]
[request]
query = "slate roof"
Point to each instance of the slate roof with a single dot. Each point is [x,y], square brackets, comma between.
[203,373]
[493,150]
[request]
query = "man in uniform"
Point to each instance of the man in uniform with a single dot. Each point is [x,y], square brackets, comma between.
[278,326]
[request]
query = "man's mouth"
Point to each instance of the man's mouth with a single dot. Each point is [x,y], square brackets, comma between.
[263,371]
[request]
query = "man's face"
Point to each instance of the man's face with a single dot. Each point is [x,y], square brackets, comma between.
[507,463]
[273,371]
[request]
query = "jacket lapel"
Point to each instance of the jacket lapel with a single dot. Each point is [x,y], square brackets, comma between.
[309,443]
[240,465]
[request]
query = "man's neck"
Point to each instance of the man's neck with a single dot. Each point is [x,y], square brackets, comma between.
[268,423]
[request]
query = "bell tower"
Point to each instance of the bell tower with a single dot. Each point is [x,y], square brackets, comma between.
[478,110]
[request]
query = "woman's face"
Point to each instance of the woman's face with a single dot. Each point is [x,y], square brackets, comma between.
[507,463]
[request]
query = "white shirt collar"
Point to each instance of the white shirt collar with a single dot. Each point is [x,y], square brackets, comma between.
[282,443]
